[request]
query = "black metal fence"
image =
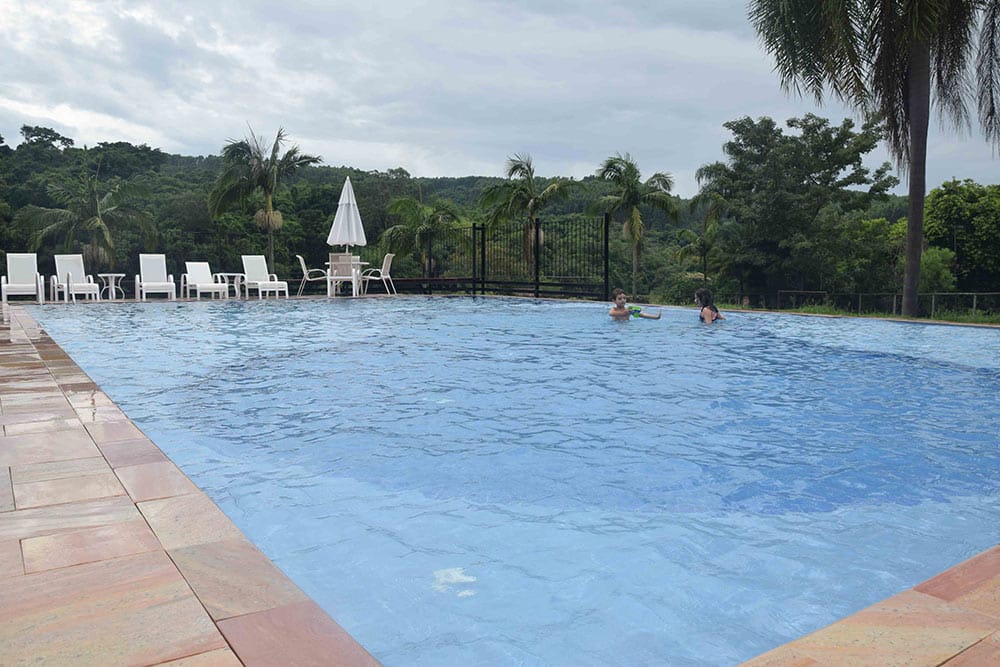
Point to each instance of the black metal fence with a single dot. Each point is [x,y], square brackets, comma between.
[555,258]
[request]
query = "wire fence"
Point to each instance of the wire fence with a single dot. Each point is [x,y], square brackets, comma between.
[933,305]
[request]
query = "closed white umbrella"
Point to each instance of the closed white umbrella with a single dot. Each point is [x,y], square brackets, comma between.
[347,229]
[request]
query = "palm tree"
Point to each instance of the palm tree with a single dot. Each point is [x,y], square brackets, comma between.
[421,226]
[522,195]
[249,168]
[631,194]
[882,56]
[703,245]
[88,217]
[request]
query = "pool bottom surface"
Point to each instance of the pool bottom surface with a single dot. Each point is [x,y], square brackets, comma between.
[536,541]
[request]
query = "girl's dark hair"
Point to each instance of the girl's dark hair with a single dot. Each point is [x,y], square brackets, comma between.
[704,296]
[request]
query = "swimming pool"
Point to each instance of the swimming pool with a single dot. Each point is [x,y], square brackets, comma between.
[502,481]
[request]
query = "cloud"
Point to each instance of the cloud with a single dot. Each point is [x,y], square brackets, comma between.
[437,88]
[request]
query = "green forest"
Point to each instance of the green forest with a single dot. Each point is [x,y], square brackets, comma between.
[791,208]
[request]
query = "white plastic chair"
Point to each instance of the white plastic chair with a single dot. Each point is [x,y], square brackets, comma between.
[255,276]
[342,269]
[199,279]
[71,279]
[153,278]
[307,275]
[22,277]
[382,274]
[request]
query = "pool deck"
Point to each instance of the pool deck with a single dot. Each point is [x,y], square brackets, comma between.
[110,555]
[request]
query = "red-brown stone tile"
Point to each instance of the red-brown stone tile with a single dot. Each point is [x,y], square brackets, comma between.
[910,628]
[42,447]
[102,414]
[985,599]
[48,520]
[233,578]
[43,472]
[123,453]
[67,490]
[87,545]
[149,481]
[135,610]
[45,426]
[986,652]
[110,431]
[299,634]
[183,521]
[220,658]
[964,577]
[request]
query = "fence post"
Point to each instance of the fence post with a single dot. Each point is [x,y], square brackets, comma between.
[482,258]
[933,299]
[973,304]
[607,265]
[538,255]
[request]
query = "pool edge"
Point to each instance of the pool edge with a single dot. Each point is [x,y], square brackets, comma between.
[109,554]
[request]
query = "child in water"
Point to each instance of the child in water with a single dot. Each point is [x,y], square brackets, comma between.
[622,311]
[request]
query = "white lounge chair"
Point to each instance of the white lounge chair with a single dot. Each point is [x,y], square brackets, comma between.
[382,274]
[22,277]
[342,269]
[255,276]
[199,278]
[308,275]
[71,279]
[153,278]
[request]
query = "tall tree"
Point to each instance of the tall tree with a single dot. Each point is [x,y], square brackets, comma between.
[251,167]
[883,56]
[420,227]
[631,193]
[522,195]
[91,213]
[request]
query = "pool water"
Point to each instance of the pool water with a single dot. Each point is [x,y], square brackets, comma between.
[503,481]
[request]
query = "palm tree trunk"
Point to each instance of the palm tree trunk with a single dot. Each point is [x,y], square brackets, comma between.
[918,104]
[635,269]
[270,249]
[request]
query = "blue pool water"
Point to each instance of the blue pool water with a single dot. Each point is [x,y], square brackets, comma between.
[500,481]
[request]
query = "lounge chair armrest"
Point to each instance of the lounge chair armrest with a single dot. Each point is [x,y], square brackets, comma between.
[273,277]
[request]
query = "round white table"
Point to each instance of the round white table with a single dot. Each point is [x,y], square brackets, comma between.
[233,280]
[112,284]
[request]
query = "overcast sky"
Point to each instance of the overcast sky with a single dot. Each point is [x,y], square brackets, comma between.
[449,88]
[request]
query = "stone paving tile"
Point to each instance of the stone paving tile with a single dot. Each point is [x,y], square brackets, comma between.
[964,577]
[220,658]
[100,414]
[44,426]
[298,634]
[134,610]
[149,481]
[123,453]
[89,399]
[22,524]
[42,472]
[10,559]
[986,652]
[6,491]
[110,431]
[67,490]
[87,545]
[907,629]
[233,578]
[184,521]
[41,447]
